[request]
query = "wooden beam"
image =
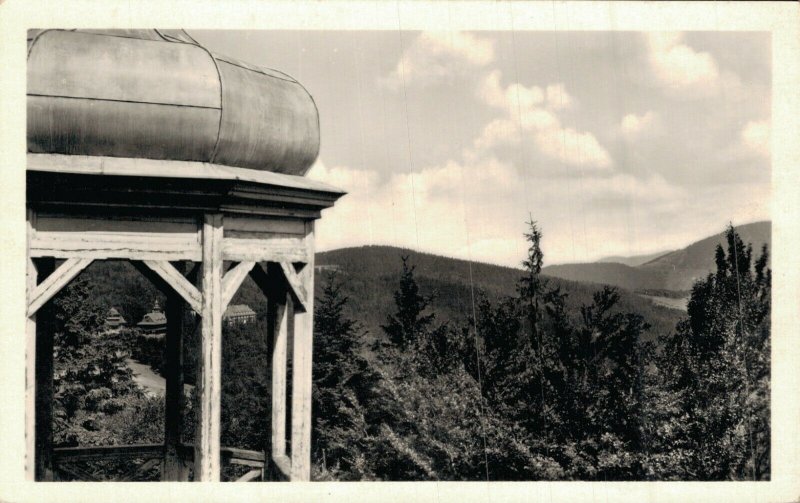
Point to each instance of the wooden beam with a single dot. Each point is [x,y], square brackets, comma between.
[233,280]
[284,465]
[290,249]
[295,284]
[47,246]
[174,468]
[55,282]
[249,476]
[39,362]
[66,454]
[44,381]
[147,465]
[79,473]
[209,365]
[301,370]
[278,309]
[177,282]
[30,359]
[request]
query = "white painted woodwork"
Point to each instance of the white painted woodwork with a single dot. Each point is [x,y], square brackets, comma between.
[55,282]
[30,363]
[279,352]
[301,371]
[284,465]
[173,467]
[103,249]
[265,250]
[233,280]
[268,218]
[178,282]
[268,226]
[98,237]
[140,167]
[251,475]
[209,368]
[152,226]
[295,284]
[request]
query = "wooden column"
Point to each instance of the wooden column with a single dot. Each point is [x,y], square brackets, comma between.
[38,368]
[278,309]
[174,468]
[39,377]
[209,365]
[30,359]
[301,369]
[44,381]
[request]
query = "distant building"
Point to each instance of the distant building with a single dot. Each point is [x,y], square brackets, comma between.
[114,319]
[154,322]
[239,314]
[328,268]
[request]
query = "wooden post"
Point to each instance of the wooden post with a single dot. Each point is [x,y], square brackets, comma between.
[44,381]
[43,323]
[209,365]
[278,309]
[301,370]
[38,369]
[174,468]
[30,359]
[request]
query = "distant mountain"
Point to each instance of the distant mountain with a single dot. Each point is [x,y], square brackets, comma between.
[634,261]
[674,271]
[620,275]
[370,275]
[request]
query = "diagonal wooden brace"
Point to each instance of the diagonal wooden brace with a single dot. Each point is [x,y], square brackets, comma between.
[178,282]
[295,284]
[55,282]
[233,280]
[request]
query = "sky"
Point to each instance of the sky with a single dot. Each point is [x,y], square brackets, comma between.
[615,143]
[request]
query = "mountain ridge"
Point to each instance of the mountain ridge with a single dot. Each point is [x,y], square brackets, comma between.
[676,270]
[370,274]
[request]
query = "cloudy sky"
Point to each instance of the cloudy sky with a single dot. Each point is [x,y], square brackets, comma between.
[617,143]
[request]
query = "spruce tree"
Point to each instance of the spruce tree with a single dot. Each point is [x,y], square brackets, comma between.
[715,369]
[343,383]
[413,330]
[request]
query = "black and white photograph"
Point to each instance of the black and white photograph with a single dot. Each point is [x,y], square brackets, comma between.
[428,242]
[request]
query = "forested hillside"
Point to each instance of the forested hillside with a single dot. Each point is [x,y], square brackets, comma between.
[368,275]
[429,368]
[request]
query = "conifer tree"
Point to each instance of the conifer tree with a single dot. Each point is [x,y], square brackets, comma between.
[342,383]
[715,370]
[413,330]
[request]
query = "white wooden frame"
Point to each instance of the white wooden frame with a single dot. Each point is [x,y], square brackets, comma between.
[215,237]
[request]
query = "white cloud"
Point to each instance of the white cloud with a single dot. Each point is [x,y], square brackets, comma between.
[475,208]
[531,113]
[756,135]
[678,66]
[438,56]
[558,98]
[342,177]
[573,147]
[633,124]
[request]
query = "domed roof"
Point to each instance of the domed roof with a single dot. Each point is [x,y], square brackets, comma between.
[158,94]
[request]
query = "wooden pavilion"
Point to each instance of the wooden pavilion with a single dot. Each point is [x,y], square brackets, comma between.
[144,146]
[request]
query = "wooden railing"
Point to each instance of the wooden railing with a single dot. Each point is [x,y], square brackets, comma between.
[67,461]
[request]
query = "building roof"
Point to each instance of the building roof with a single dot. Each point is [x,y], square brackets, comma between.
[113,317]
[159,94]
[153,318]
[238,310]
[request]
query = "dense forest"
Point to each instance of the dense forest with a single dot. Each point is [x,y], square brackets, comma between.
[510,375]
